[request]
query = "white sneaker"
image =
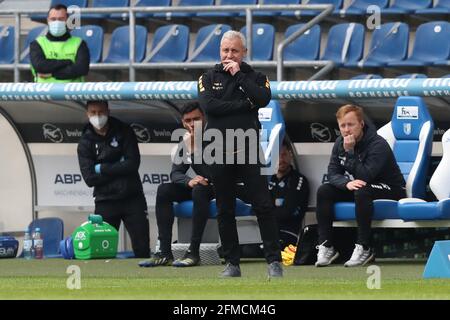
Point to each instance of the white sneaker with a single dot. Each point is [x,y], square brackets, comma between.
[360,257]
[326,255]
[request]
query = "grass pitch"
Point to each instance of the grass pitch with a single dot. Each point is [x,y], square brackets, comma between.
[123,279]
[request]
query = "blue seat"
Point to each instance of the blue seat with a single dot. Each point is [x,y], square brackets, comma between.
[41,17]
[170,44]
[412,76]
[431,46]
[267,13]
[418,209]
[441,7]
[107,4]
[389,43]
[366,77]
[6,44]
[31,36]
[359,7]
[228,14]
[262,42]
[207,42]
[93,36]
[119,49]
[151,3]
[52,232]
[336,50]
[305,47]
[410,135]
[336,3]
[185,3]
[407,6]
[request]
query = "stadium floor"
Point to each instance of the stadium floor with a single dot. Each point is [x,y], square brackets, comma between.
[123,279]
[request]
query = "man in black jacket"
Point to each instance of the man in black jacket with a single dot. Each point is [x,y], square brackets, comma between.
[109,160]
[182,188]
[365,155]
[231,94]
[57,56]
[290,194]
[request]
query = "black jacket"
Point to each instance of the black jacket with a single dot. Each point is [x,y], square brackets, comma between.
[60,69]
[372,161]
[232,102]
[293,191]
[118,154]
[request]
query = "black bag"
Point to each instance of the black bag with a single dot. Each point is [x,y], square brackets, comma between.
[306,253]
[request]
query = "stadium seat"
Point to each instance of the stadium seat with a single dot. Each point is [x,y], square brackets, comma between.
[170,44]
[228,13]
[345,43]
[412,76]
[119,49]
[305,47]
[336,3]
[446,76]
[41,17]
[262,42]
[207,43]
[410,135]
[52,232]
[440,7]
[107,4]
[31,36]
[431,46]
[389,43]
[6,44]
[185,3]
[418,209]
[151,3]
[366,77]
[406,6]
[359,7]
[266,13]
[93,36]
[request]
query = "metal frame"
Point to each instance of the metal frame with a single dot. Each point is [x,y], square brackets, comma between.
[279,64]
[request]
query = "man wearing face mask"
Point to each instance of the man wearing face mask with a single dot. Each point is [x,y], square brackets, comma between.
[109,160]
[57,56]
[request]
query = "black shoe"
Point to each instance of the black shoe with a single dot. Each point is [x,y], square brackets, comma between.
[158,259]
[231,270]
[275,269]
[189,260]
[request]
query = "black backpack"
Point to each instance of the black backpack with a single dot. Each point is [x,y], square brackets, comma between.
[306,253]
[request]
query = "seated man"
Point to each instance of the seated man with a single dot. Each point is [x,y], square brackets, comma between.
[361,152]
[183,188]
[290,193]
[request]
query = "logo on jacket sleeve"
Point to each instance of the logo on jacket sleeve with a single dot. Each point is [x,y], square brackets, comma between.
[114,143]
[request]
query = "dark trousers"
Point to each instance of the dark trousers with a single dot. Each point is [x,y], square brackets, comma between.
[133,212]
[224,178]
[328,195]
[166,195]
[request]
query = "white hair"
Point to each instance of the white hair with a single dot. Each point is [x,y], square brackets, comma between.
[232,34]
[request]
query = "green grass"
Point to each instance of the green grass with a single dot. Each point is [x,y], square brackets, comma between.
[123,279]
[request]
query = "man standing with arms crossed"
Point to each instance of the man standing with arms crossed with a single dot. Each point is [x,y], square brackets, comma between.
[231,94]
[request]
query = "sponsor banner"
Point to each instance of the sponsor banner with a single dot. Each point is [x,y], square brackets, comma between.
[187,90]
[59,181]
[71,132]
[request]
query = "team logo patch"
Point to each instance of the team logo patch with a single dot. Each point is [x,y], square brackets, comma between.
[407,128]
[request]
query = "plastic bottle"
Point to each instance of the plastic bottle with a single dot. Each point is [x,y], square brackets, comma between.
[38,244]
[27,245]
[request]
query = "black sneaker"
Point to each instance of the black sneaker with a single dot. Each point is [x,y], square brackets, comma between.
[231,270]
[158,259]
[275,269]
[189,260]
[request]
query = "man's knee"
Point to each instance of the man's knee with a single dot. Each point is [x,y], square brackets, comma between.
[325,191]
[200,193]
[364,194]
[163,191]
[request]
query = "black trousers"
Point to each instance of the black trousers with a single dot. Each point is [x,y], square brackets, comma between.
[166,195]
[133,212]
[328,195]
[224,177]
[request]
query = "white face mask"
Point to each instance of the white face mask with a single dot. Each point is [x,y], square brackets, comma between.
[57,28]
[98,121]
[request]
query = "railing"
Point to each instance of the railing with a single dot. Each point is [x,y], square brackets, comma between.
[132,65]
